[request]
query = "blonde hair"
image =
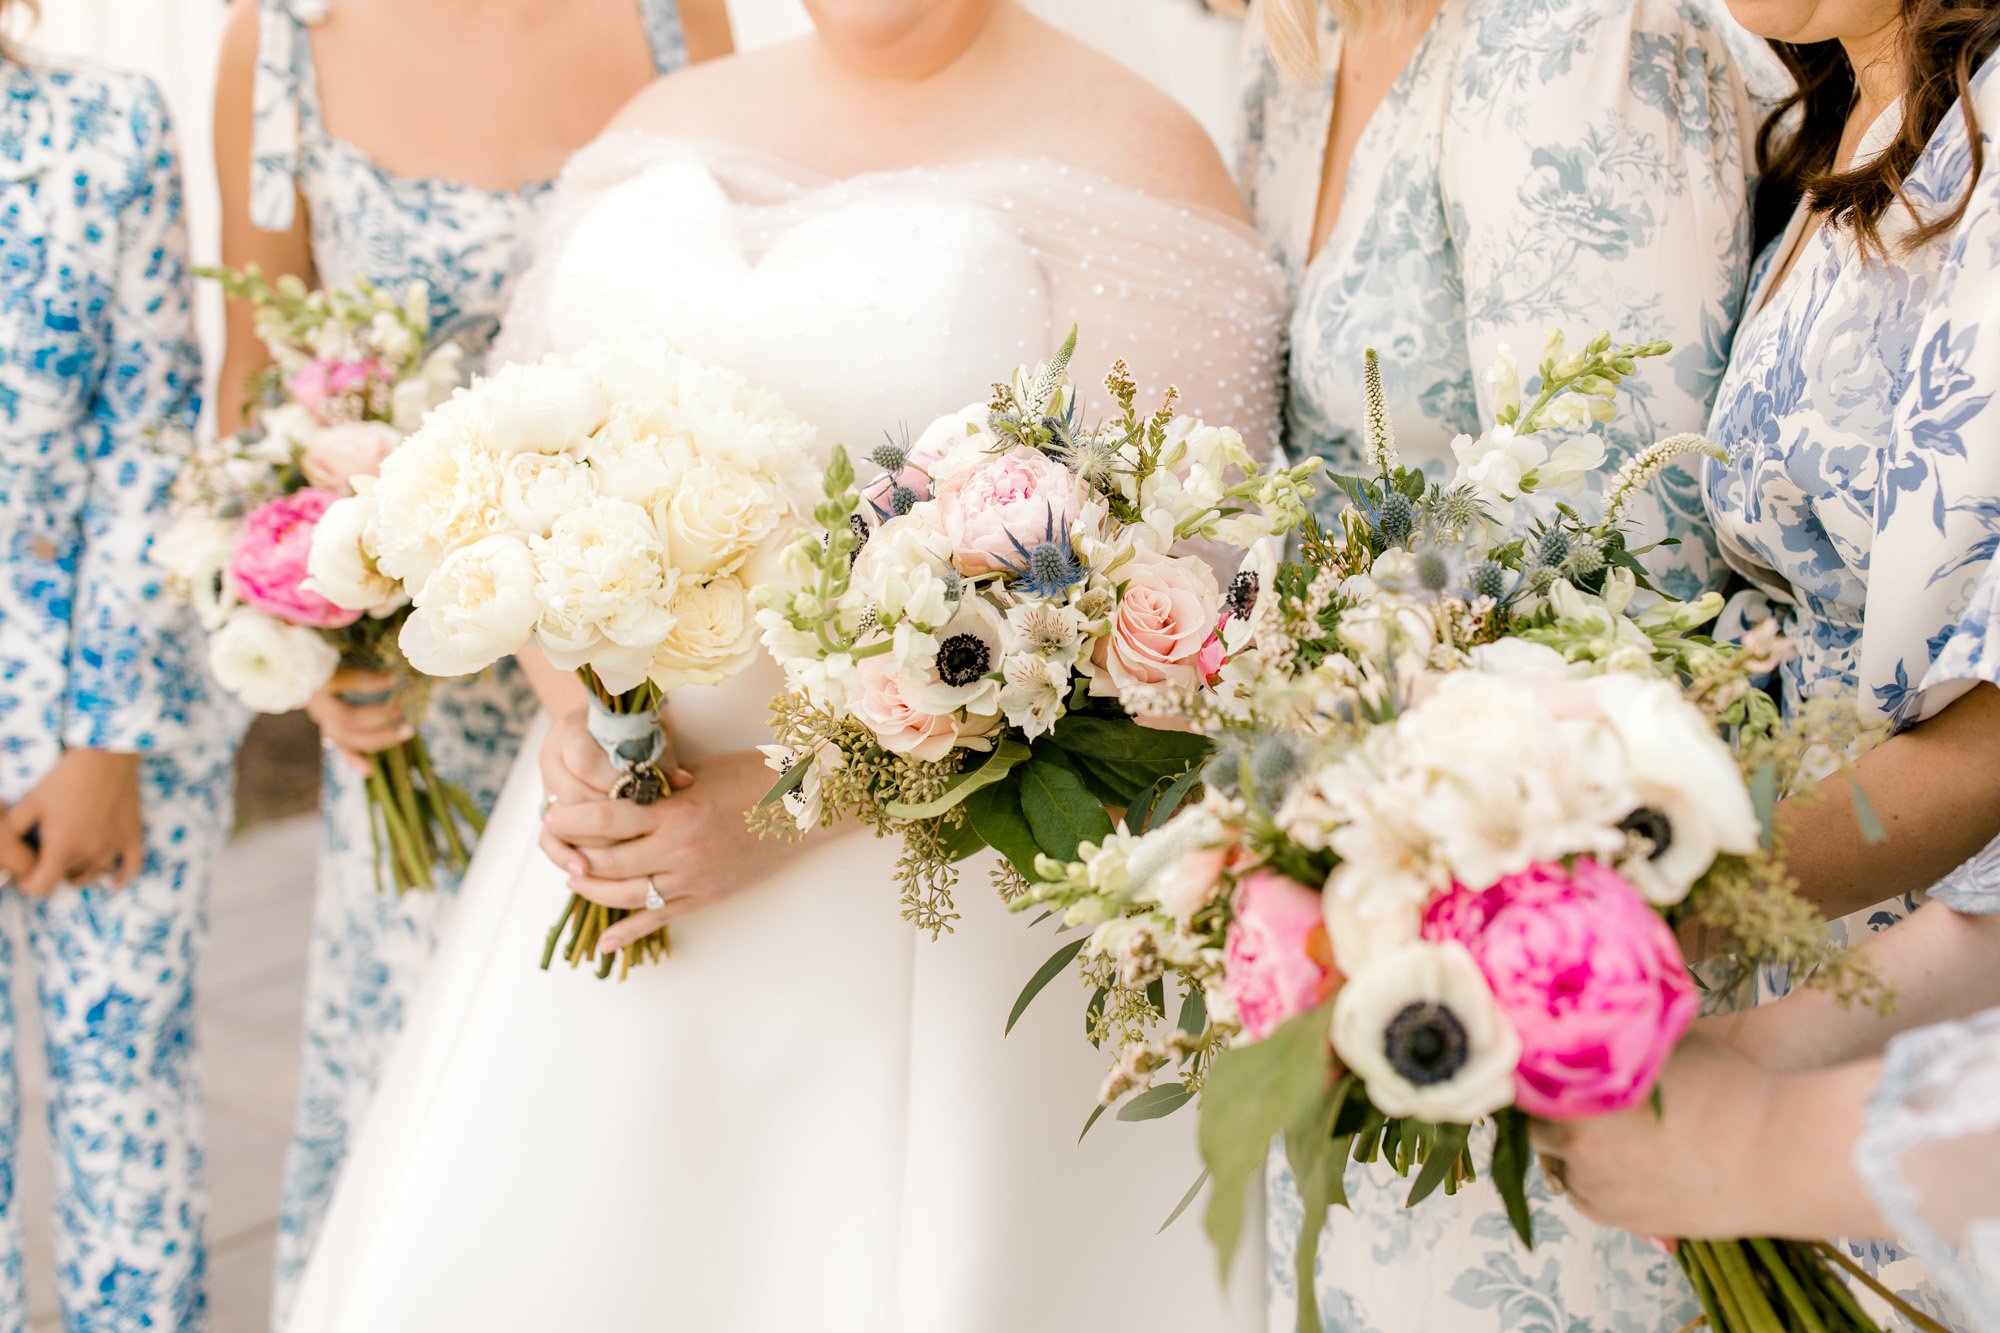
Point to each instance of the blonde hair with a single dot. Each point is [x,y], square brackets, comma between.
[1291,27]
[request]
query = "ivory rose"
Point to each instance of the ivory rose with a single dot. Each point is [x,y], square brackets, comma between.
[1163,622]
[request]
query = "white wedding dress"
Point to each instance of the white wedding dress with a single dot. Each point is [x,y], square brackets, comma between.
[808,1117]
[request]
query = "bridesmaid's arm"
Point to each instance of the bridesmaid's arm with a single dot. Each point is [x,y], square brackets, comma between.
[243,242]
[560,692]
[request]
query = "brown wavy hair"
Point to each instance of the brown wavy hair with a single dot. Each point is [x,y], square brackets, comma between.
[1944,42]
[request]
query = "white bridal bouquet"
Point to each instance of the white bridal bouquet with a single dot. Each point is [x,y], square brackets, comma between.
[350,378]
[613,506]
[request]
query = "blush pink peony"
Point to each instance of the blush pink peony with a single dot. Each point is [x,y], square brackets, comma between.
[902,728]
[1016,497]
[320,382]
[351,449]
[1277,960]
[1163,625]
[269,567]
[1587,973]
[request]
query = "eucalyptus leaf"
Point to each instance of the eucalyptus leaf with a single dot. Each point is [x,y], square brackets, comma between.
[1046,973]
[1095,1113]
[1186,1199]
[1194,1011]
[1006,756]
[788,782]
[1252,1093]
[1159,1100]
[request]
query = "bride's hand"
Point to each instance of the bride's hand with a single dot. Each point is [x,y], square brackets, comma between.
[576,772]
[696,846]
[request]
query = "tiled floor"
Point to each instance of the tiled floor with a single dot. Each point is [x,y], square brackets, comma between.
[251,999]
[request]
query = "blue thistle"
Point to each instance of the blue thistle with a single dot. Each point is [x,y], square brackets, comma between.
[901,500]
[1433,569]
[1050,567]
[1555,547]
[1489,579]
[1395,518]
[890,456]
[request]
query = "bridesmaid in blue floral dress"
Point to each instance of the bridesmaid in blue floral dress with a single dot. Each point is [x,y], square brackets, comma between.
[1443,180]
[299,197]
[114,752]
[1861,409]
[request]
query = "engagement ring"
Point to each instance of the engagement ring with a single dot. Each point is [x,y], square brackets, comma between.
[654,902]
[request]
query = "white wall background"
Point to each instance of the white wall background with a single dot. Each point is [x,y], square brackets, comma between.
[1176,43]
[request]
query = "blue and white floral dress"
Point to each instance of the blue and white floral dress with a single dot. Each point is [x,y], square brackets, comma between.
[370,949]
[98,372]
[1538,164]
[1862,494]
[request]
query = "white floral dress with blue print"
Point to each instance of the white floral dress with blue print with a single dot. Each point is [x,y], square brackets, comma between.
[369,949]
[1862,493]
[1538,164]
[99,380]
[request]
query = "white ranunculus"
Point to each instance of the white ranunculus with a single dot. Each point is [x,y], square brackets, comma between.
[476,608]
[1693,804]
[544,407]
[712,636]
[196,552]
[952,669]
[718,515]
[1420,1027]
[904,572]
[339,566]
[271,666]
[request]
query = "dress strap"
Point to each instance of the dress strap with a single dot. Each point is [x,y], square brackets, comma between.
[280,102]
[663,32]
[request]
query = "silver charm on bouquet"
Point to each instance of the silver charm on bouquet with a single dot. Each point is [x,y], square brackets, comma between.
[634,743]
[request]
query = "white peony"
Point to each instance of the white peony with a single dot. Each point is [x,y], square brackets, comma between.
[712,636]
[196,551]
[478,607]
[440,490]
[538,489]
[1420,1027]
[544,407]
[605,591]
[271,666]
[339,566]
[1691,800]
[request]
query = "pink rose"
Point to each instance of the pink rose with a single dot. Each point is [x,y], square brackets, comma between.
[1165,619]
[1018,497]
[1277,961]
[269,568]
[320,382]
[900,727]
[351,449]
[1589,975]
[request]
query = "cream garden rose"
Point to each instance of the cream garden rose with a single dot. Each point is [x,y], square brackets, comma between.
[1168,611]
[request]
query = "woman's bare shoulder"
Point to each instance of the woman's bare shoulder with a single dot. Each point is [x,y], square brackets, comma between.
[707,100]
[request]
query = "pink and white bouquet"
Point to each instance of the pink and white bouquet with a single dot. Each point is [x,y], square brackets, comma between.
[612,508]
[1466,790]
[350,378]
[963,637]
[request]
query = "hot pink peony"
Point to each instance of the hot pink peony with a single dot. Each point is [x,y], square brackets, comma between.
[1020,496]
[1164,622]
[320,382]
[1277,961]
[883,708]
[1589,975]
[269,568]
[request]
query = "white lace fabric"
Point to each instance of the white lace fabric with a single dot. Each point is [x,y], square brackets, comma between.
[1929,1155]
[1185,296]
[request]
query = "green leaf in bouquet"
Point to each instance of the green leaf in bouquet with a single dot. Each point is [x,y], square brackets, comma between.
[1159,1100]
[1194,1011]
[1446,1146]
[1864,812]
[1318,1160]
[1510,1170]
[1156,995]
[1046,973]
[1764,796]
[1006,757]
[1061,813]
[1115,785]
[1096,1114]
[961,841]
[1124,740]
[1252,1093]
[1186,1199]
[995,814]
[1170,800]
[788,782]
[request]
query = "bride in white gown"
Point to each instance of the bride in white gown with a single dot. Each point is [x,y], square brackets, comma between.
[808,1116]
